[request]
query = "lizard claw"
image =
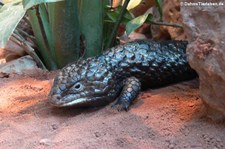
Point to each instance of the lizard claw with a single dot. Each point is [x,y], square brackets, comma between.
[120,106]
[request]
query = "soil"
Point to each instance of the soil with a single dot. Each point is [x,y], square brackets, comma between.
[169,117]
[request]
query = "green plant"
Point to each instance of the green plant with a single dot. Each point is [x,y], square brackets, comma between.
[131,22]
[67,30]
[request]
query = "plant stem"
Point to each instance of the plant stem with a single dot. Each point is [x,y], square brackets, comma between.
[28,49]
[25,34]
[114,32]
[166,24]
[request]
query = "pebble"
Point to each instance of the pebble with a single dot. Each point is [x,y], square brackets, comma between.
[54,126]
[45,141]
[218,140]
[171,146]
[191,104]
[97,134]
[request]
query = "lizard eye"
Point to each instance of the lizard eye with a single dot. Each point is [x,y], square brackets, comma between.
[77,86]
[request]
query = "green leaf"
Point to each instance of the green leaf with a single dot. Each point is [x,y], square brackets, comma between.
[113,15]
[149,18]
[63,19]
[159,6]
[43,45]
[30,3]
[10,15]
[136,23]
[91,25]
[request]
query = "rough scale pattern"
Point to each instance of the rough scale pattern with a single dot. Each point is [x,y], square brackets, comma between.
[100,80]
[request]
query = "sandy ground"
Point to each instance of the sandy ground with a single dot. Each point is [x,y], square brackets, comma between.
[169,117]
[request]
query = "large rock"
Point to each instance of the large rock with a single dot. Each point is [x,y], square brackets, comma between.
[204,26]
[18,66]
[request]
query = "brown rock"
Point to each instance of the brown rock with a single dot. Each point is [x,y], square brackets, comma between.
[204,26]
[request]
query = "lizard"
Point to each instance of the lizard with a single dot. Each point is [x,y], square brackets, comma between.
[120,73]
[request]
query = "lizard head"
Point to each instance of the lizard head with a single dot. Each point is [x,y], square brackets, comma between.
[84,83]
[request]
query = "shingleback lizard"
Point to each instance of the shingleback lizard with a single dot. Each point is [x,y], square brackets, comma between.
[121,72]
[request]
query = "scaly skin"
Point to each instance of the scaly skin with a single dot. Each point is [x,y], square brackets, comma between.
[120,73]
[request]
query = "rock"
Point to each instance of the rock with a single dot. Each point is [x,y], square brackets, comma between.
[18,66]
[54,126]
[45,142]
[204,26]
[97,134]
[2,61]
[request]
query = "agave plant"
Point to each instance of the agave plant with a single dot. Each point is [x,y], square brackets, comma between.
[66,30]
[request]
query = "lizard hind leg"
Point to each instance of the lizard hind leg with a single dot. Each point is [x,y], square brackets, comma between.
[131,89]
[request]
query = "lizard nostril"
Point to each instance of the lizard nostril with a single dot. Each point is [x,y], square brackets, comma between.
[58,97]
[55,100]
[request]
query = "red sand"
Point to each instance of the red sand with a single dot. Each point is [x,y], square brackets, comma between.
[169,117]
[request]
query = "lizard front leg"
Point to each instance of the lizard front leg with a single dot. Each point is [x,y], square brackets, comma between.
[131,89]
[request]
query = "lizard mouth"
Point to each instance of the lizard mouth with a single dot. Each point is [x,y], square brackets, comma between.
[74,102]
[68,100]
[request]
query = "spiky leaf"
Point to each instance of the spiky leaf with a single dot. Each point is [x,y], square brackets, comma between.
[10,15]
[30,3]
